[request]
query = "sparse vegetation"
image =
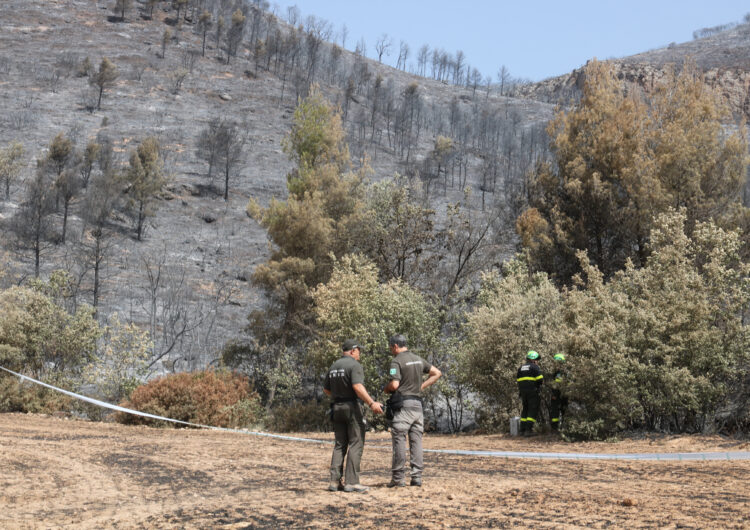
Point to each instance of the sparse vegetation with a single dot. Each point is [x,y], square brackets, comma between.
[11,163]
[144,178]
[103,78]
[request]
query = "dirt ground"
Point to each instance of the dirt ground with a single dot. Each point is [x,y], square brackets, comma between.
[68,473]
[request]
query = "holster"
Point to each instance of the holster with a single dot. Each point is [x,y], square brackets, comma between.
[393,404]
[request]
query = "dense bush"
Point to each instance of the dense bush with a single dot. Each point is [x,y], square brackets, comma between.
[354,304]
[664,347]
[300,416]
[17,396]
[516,313]
[220,399]
[39,336]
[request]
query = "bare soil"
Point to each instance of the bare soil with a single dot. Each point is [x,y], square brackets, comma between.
[68,473]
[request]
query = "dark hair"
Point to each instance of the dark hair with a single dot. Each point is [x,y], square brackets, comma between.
[399,340]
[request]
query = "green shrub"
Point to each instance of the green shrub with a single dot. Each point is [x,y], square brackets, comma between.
[516,313]
[216,398]
[17,396]
[39,336]
[663,347]
[300,417]
[121,362]
[354,304]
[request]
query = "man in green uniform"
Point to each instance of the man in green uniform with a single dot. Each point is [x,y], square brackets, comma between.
[558,402]
[344,382]
[529,378]
[406,374]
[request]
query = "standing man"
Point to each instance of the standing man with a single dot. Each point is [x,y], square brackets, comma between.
[529,380]
[406,379]
[344,382]
[558,402]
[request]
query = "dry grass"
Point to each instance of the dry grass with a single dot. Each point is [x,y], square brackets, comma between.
[59,473]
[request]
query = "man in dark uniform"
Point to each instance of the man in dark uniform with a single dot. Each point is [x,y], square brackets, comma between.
[344,382]
[558,402]
[529,380]
[406,374]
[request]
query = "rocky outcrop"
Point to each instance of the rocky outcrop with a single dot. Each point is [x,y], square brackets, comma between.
[724,59]
[732,84]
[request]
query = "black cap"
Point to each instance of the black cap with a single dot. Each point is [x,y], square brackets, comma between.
[397,340]
[350,344]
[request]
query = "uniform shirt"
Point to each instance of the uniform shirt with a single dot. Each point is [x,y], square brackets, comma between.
[529,377]
[407,368]
[342,374]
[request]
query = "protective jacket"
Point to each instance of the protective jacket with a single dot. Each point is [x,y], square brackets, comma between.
[529,377]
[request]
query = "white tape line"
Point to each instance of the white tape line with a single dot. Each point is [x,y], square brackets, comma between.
[731,455]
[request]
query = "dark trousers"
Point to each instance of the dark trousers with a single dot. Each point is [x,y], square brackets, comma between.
[349,432]
[529,409]
[557,406]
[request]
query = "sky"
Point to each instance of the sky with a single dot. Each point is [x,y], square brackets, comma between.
[533,39]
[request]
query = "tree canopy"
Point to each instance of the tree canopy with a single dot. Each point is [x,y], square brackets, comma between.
[619,161]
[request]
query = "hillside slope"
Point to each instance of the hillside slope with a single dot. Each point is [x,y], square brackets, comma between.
[204,248]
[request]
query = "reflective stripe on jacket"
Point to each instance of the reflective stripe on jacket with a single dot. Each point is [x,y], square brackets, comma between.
[529,377]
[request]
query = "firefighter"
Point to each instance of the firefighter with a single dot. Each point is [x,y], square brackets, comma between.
[529,380]
[558,402]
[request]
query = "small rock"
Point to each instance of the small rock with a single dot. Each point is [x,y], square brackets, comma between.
[226,97]
[209,218]
[450,497]
[629,502]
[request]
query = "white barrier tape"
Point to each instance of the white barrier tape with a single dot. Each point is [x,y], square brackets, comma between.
[730,455]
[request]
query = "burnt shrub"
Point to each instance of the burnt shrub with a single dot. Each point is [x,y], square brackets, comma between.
[216,398]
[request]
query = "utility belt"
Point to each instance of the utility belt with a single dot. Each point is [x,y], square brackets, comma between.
[396,403]
[337,401]
[345,400]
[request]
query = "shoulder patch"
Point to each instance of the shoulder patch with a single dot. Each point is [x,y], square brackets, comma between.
[393,371]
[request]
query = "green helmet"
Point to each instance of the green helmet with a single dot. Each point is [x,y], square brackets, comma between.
[532,355]
[559,357]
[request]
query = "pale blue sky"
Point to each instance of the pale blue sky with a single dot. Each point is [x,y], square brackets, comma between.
[534,39]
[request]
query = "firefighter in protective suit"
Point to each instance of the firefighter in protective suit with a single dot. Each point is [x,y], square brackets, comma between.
[558,402]
[529,380]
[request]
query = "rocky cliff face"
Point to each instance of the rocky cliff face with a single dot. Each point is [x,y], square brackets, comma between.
[724,59]
[732,83]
